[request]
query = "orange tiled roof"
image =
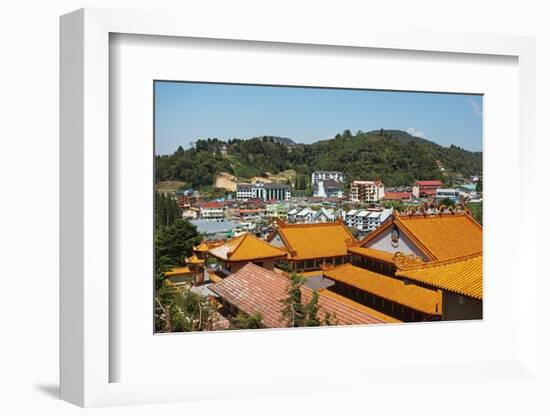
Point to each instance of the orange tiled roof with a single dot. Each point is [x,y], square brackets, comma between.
[410,295]
[372,253]
[314,241]
[177,271]
[194,260]
[254,289]
[444,236]
[439,236]
[246,247]
[463,275]
[358,306]
[202,247]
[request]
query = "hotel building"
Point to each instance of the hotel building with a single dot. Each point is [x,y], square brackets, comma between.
[366,191]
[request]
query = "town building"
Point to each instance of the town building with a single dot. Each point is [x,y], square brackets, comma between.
[328,188]
[187,198]
[304,215]
[367,220]
[426,189]
[238,251]
[191,213]
[325,175]
[276,211]
[324,215]
[461,281]
[366,191]
[468,190]
[447,193]
[255,290]
[249,214]
[213,211]
[264,191]
[397,196]
[311,245]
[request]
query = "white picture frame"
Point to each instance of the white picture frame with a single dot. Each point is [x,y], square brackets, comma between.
[86,355]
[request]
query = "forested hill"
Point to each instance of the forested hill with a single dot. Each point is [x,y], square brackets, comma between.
[394,156]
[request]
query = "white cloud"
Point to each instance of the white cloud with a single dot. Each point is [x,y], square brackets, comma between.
[413,132]
[476,106]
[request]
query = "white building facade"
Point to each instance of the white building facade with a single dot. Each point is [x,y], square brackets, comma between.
[264,191]
[367,220]
[323,175]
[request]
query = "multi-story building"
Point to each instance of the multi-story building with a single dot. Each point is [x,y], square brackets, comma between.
[367,220]
[426,189]
[328,188]
[304,215]
[212,211]
[443,193]
[366,191]
[324,175]
[273,211]
[264,191]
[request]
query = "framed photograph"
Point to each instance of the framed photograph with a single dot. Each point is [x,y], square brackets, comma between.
[298,212]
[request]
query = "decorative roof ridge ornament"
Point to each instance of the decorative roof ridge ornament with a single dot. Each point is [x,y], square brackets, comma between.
[405,260]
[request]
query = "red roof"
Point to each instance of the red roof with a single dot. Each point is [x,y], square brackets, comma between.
[429,183]
[212,204]
[396,196]
[254,289]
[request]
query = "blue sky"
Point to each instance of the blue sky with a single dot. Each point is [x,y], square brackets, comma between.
[186,112]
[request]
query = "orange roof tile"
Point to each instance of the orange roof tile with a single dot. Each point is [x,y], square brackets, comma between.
[246,247]
[410,295]
[463,275]
[444,236]
[372,253]
[254,289]
[194,260]
[202,247]
[439,236]
[314,241]
[358,306]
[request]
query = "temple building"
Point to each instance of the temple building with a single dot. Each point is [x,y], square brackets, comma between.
[180,275]
[238,251]
[255,290]
[428,237]
[309,246]
[460,280]
[378,275]
[406,302]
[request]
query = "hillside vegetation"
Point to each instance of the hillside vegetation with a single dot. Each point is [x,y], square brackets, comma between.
[395,157]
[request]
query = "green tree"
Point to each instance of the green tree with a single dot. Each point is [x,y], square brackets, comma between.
[293,310]
[245,321]
[479,186]
[181,310]
[311,309]
[298,314]
[175,242]
[166,210]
